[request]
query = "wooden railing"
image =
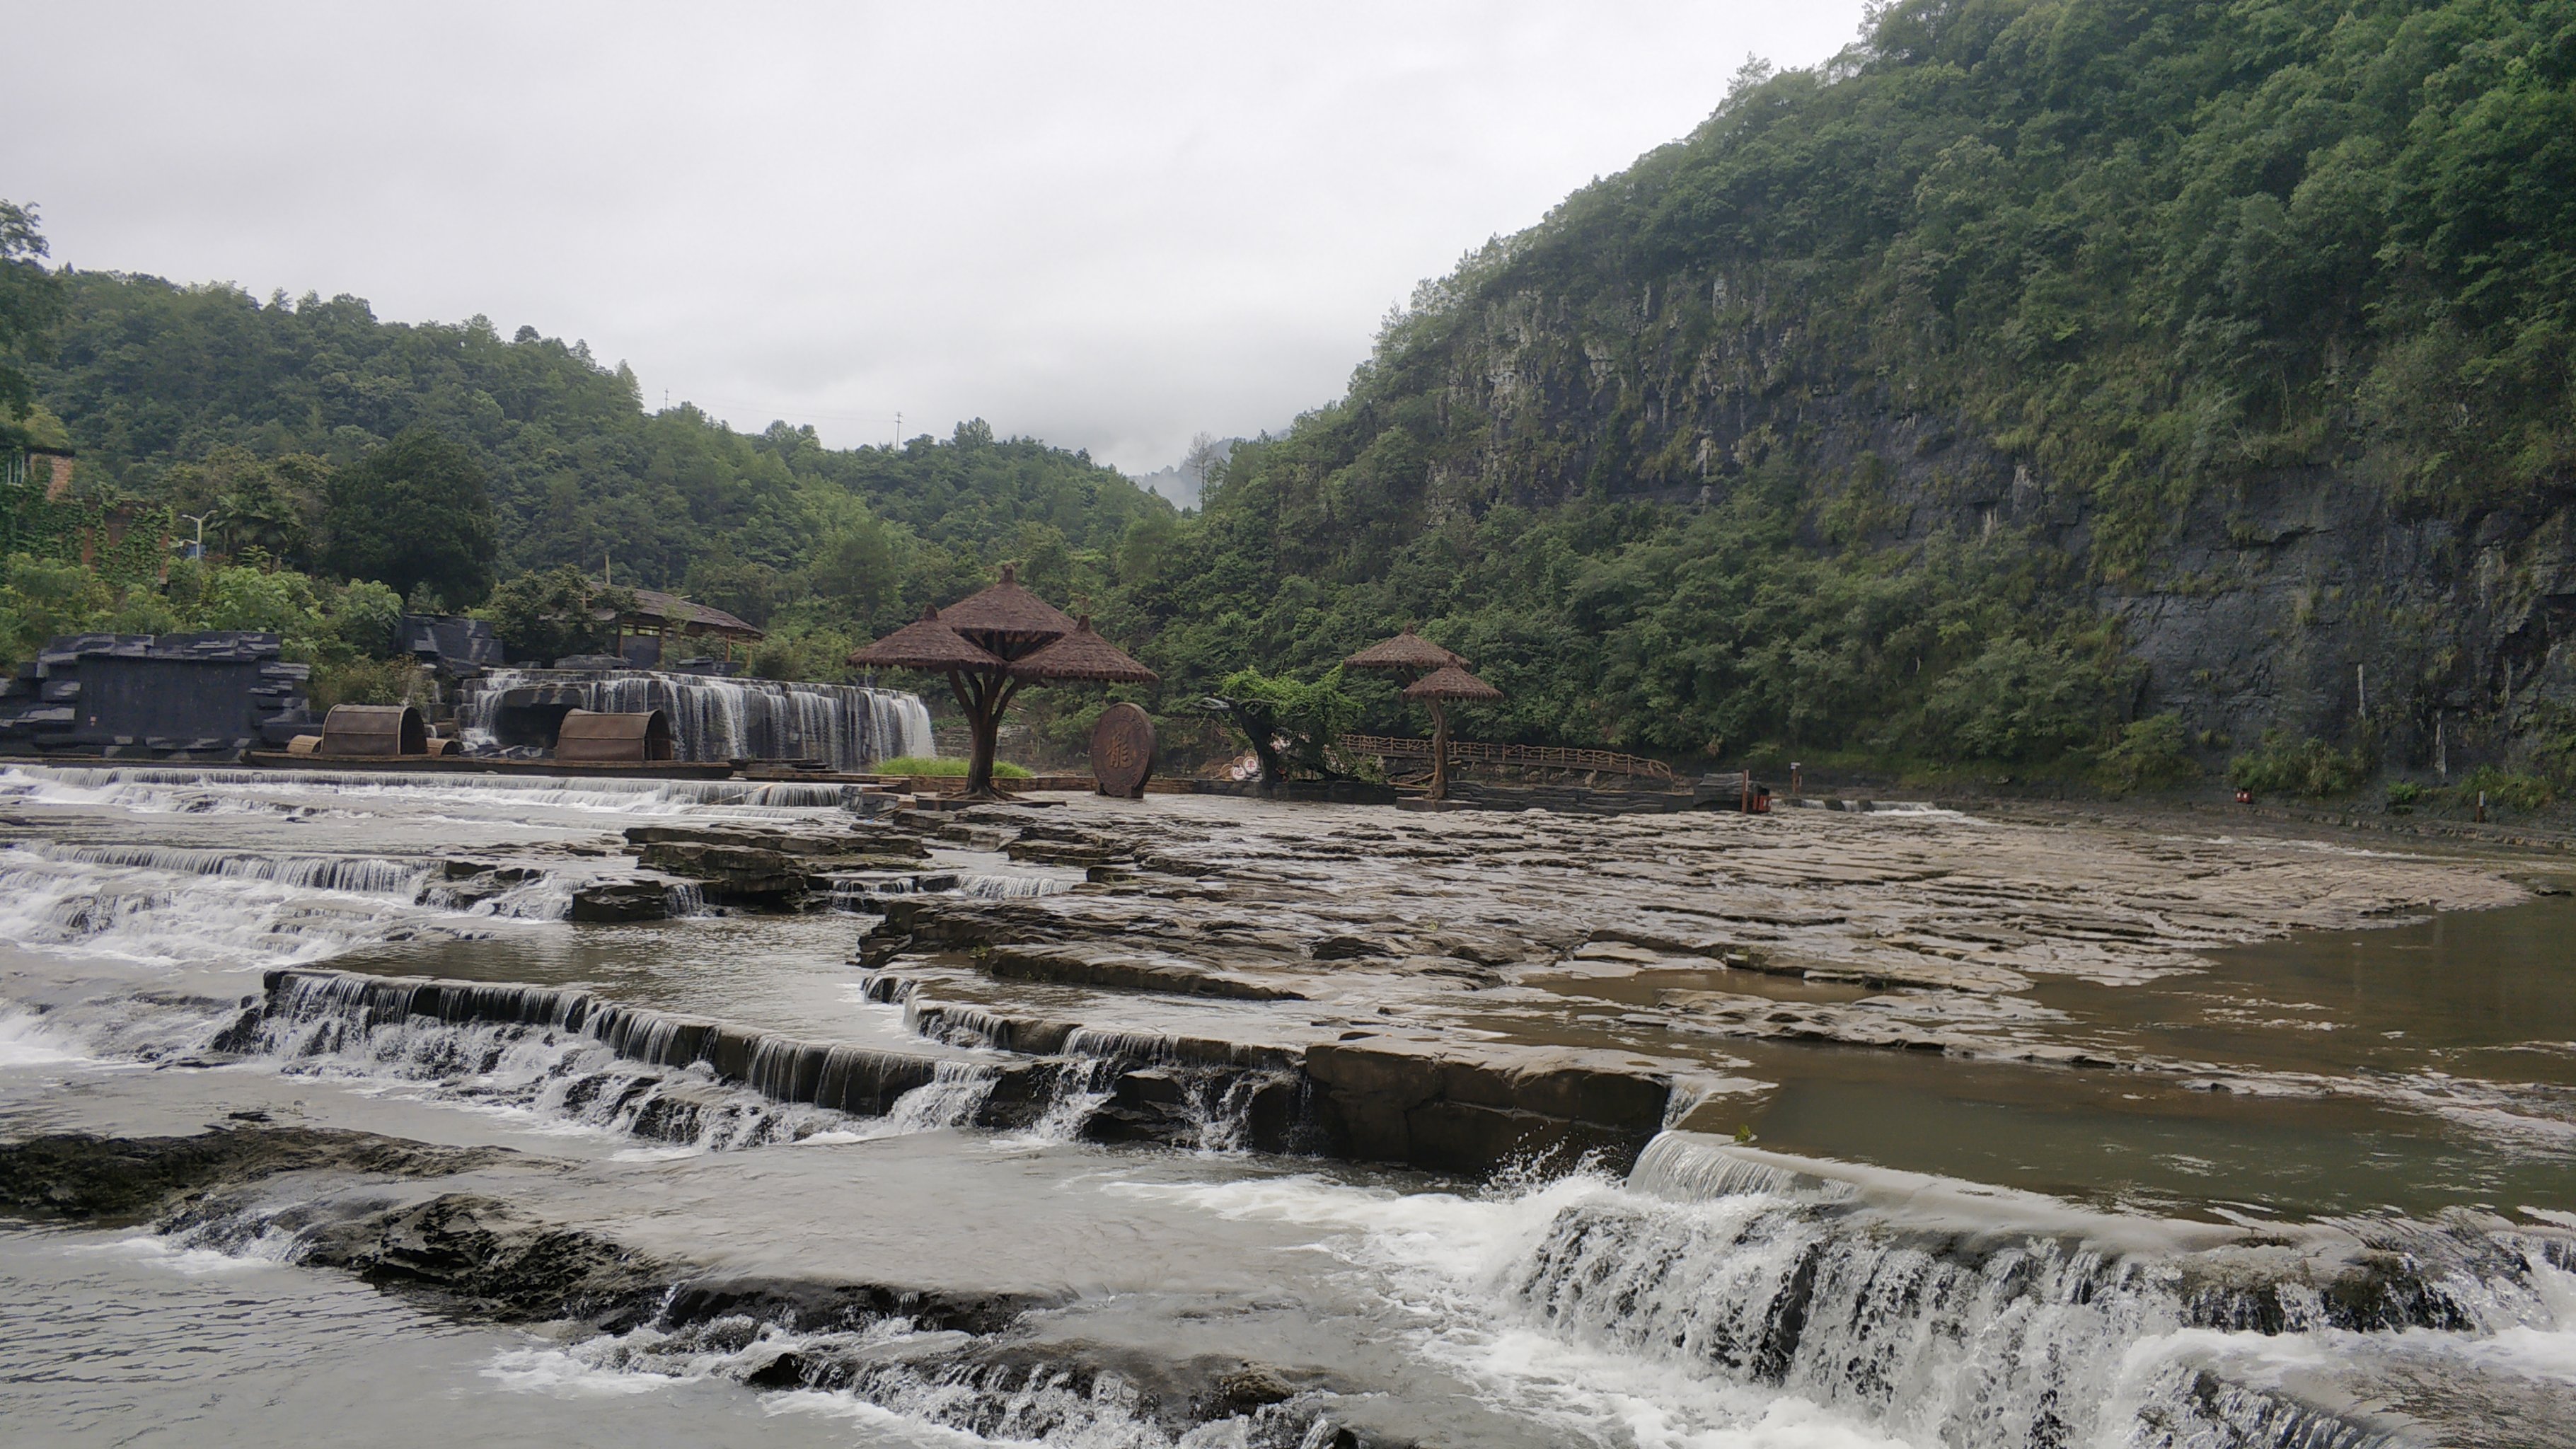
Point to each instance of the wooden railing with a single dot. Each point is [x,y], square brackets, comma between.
[1546,757]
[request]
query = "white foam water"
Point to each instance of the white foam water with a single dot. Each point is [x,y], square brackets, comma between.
[159,906]
[25,1041]
[1771,1306]
[169,789]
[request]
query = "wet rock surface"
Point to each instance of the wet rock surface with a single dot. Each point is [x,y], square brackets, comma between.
[1408,962]
[478,1256]
[89,1178]
[2007,1132]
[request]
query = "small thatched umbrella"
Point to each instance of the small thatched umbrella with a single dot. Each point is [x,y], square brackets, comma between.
[1407,652]
[1006,618]
[1082,654]
[1446,683]
[932,646]
[927,643]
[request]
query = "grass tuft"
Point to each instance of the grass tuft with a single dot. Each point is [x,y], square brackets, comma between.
[944,766]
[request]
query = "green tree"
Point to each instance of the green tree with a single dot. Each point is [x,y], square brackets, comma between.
[855,566]
[42,598]
[30,302]
[367,616]
[413,513]
[272,601]
[563,611]
[251,502]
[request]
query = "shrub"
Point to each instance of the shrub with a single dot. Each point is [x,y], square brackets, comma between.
[2510,789]
[40,598]
[2403,796]
[2151,754]
[362,681]
[279,602]
[2018,701]
[2311,767]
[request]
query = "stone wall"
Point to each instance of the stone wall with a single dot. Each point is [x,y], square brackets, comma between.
[126,696]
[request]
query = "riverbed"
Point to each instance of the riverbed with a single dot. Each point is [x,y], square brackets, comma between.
[1199,1120]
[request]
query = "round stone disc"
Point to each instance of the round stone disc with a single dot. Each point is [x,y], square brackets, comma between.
[1122,750]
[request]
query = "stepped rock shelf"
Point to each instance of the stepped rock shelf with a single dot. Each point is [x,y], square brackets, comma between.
[1458,992]
[740,1086]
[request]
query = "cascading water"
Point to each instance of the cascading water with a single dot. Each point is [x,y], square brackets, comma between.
[569,1056]
[1942,1314]
[171,905]
[713,717]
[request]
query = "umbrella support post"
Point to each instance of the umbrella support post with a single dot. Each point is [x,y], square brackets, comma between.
[1439,751]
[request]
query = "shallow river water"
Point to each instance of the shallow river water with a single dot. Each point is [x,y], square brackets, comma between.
[1981,1133]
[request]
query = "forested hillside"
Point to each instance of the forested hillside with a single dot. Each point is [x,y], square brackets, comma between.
[2042,385]
[2032,371]
[153,379]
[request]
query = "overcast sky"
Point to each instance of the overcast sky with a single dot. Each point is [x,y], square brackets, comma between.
[1107,225]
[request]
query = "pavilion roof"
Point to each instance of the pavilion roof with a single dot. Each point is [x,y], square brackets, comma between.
[1450,682]
[1407,650]
[686,615]
[1006,610]
[926,643]
[1082,654]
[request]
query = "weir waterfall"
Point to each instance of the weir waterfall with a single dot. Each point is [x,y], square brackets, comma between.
[713,717]
[616,1111]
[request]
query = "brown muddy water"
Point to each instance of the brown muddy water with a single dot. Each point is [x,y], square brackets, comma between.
[1973,1133]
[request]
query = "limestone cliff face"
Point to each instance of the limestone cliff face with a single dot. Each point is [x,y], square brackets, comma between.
[2297,598]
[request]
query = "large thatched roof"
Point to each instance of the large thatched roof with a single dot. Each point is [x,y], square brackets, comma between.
[1407,650]
[926,643]
[1006,611]
[670,611]
[1082,654]
[1450,682]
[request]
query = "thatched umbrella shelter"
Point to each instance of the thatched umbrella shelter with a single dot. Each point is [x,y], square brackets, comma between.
[1444,677]
[1407,652]
[990,645]
[1082,655]
[1441,685]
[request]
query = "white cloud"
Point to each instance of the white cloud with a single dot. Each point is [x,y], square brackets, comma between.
[1106,225]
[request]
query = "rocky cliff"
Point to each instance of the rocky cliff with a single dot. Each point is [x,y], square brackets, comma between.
[2136,360]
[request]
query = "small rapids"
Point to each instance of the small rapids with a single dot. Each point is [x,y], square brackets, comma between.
[567,1058]
[160,905]
[151,790]
[925,1375]
[1943,1314]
